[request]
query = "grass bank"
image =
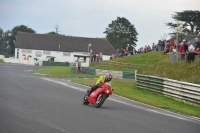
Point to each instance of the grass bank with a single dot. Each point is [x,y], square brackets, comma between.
[157,64]
[62,72]
[128,89]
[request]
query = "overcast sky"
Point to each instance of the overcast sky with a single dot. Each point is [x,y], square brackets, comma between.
[89,18]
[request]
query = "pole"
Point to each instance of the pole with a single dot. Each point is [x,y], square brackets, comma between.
[135,75]
[177,46]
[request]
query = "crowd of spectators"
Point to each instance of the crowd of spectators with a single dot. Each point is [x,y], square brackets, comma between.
[185,48]
[124,52]
[96,57]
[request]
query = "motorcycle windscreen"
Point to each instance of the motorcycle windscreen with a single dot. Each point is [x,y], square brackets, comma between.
[94,95]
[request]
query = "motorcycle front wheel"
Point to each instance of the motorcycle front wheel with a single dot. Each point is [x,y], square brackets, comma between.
[100,101]
[85,101]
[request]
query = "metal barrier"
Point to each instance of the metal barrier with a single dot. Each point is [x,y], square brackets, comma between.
[129,75]
[115,74]
[88,70]
[184,91]
[183,57]
[49,63]
[73,69]
[118,65]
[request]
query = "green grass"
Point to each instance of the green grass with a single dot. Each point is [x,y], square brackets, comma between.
[62,72]
[150,58]
[128,89]
[157,64]
[1,61]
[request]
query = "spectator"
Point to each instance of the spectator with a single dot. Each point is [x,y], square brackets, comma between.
[167,48]
[122,52]
[149,48]
[190,56]
[182,51]
[98,57]
[118,52]
[185,45]
[162,45]
[115,55]
[153,47]
[101,56]
[171,46]
[94,57]
[91,57]
[197,48]
[112,56]
[159,45]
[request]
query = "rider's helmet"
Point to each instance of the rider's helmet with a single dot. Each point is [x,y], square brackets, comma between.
[108,77]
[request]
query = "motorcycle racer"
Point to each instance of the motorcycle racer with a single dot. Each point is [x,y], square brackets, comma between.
[101,80]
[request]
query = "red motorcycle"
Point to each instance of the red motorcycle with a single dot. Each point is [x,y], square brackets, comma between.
[98,96]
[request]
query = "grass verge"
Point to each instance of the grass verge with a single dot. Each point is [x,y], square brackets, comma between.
[62,72]
[1,61]
[157,64]
[128,89]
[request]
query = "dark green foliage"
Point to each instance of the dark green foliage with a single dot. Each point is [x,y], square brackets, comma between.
[52,33]
[4,40]
[8,39]
[121,32]
[189,19]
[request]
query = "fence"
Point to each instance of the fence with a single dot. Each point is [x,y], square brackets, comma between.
[115,74]
[184,91]
[73,69]
[117,65]
[173,57]
[88,70]
[49,63]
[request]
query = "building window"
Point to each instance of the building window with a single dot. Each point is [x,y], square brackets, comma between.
[28,51]
[66,54]
[46,52]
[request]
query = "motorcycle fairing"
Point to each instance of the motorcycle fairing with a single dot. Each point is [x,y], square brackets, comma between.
[93,96]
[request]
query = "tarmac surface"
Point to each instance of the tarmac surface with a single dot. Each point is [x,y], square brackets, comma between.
[32,103]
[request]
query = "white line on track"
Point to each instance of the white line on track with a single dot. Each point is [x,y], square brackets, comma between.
[128,104]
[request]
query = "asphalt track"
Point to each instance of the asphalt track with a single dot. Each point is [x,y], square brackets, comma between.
[36,104]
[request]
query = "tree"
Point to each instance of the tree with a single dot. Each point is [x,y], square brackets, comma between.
[189,19]
[56,32]
[57,27]
[13,34]
[53,33]
[4,39]
[121,32]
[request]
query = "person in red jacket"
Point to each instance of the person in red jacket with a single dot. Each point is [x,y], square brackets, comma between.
[98,57]
[167,48]
[182,51]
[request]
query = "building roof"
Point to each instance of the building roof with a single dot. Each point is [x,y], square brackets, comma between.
[62,43]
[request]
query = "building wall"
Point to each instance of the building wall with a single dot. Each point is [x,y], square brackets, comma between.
[59,56]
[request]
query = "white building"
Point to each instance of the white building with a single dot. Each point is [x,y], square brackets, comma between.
[43,47]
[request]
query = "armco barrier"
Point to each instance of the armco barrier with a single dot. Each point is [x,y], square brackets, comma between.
[73,70]
[88,70]
[129,75]
[49,63]
[115,74]
[184,91]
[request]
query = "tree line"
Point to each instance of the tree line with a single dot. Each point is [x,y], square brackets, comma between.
[8,38]
[120,32]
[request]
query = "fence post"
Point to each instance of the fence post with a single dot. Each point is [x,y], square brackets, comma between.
[135,75]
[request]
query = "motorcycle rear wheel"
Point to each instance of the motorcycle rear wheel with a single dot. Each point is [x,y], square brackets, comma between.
[85,101]
[100,101]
